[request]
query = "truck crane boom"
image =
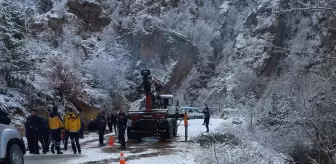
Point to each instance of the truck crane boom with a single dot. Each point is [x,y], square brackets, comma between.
[147,84]
[158,119]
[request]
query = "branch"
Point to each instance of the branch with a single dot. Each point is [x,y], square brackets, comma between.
[311,159]
[308,117]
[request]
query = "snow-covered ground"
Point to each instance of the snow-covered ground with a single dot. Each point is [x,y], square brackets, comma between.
[151,150]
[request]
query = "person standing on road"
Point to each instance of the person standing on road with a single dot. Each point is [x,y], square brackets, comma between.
[122,124]
[206,113]
[34,122]
[72,126]
[66,132]
[114,122]
[101,125]
[44,135]
[55,125]
[109,122]
[81,131]
[92,126]
[29,134]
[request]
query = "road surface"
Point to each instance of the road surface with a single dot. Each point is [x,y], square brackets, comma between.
[151,147]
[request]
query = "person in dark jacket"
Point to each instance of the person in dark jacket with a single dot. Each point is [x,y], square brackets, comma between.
[206,113]
[34,128]
[81,131]
[29,134]
[122,124]
[109,122]
[44,135]
[101,125]
[114,122]
[92,126]
[4,118]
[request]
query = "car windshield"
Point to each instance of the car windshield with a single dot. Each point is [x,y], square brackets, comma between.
[185,110]
[197,110]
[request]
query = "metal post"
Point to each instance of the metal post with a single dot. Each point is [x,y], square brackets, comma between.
[186,126]
[186,133]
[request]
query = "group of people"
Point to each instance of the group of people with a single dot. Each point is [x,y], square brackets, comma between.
[37,129]
[117,121]
[71,126]
[40,129]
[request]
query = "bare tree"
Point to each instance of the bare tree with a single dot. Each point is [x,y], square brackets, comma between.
[313,98]
[64,78]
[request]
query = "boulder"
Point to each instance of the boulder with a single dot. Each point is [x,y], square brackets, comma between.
[237,122]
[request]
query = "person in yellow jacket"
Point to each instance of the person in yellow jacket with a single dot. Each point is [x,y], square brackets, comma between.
[72,126]
[66,132]
[55,125]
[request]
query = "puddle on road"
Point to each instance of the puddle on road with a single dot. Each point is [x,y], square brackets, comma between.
[135,153]
[147,147]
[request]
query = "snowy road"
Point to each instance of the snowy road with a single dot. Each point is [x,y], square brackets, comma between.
[150,150]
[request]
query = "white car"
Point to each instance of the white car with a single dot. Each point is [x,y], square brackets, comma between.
[12,147]
[193,113]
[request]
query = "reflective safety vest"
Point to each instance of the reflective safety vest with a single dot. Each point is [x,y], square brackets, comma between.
[55,123]
[72,124]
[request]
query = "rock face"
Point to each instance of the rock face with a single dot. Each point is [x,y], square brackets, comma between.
[164,46]
[87,112]
[56,25]
[91,12]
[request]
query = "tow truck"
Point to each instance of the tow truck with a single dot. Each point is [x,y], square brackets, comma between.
[157,116]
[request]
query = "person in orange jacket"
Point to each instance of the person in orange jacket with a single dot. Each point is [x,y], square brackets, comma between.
[55,125]
[73,126]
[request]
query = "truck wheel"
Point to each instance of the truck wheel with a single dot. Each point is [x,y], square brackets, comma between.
[168,134]
[129,134]
[171,133]
[175,126]
[132,136]
[15,154]
[138,139]
[175,131]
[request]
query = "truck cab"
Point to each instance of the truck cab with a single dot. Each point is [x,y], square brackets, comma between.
[160,121]
[166,102]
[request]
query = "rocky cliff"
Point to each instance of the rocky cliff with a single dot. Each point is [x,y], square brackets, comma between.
[81,53]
